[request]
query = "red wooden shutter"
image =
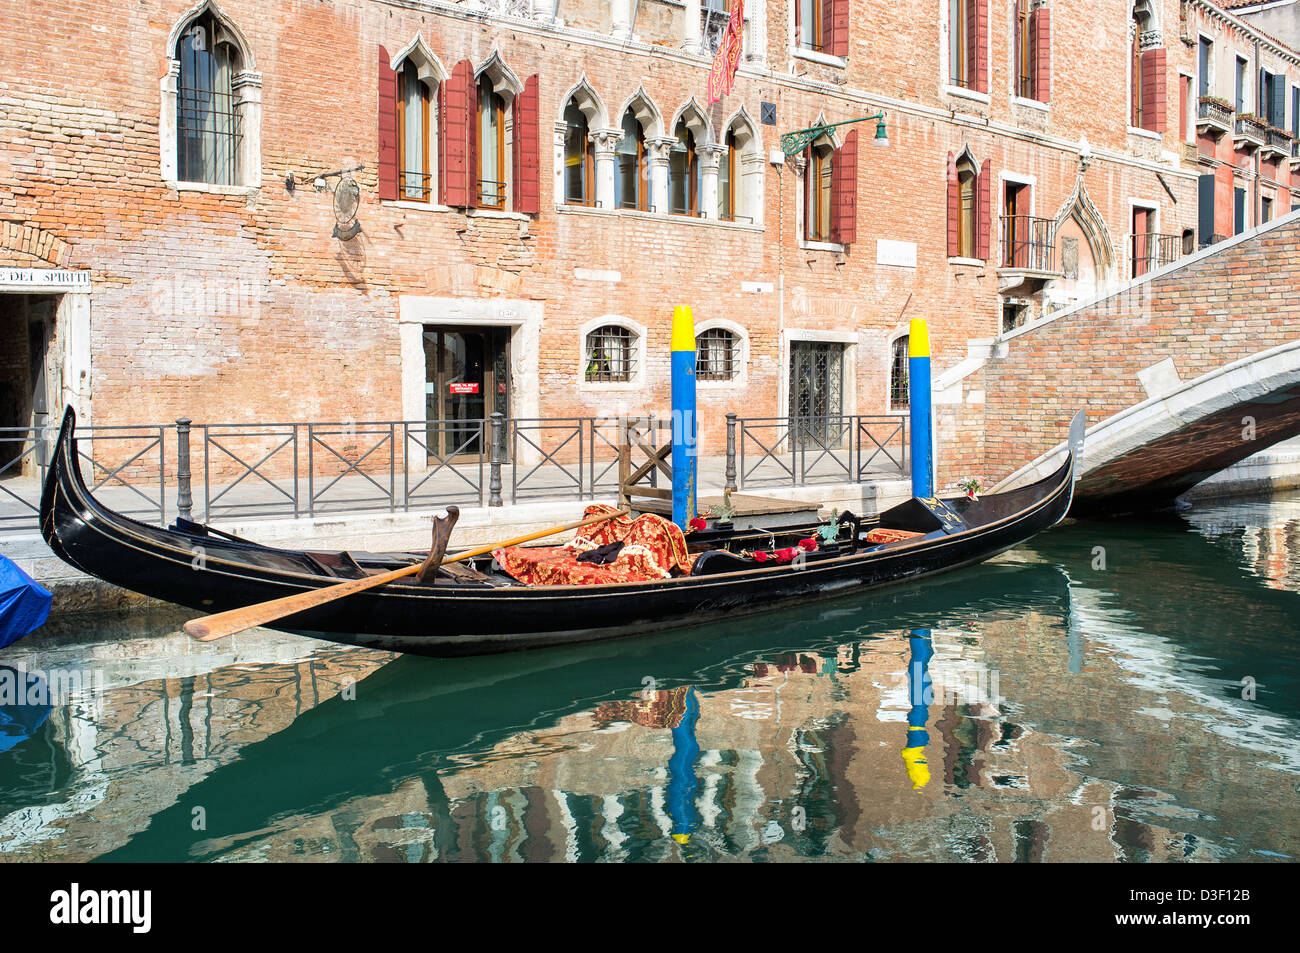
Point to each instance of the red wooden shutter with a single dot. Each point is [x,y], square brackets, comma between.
[838,37]
[1040,29]
[526,150]
[844,192]
[1153,89]
[457,174]
[387,129]
[979,27]
[985,202]
[954,209]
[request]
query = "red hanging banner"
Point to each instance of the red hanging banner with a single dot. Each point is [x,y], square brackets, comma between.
[722,76]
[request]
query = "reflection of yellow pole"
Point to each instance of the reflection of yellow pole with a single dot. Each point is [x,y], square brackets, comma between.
[919,692]
[918,771]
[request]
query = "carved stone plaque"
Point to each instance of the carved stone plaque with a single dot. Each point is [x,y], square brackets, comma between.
[1070,257]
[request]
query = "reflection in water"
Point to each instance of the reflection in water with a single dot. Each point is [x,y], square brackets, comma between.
[1044,710]
[919,689]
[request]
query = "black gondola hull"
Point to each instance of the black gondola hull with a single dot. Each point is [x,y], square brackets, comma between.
[211,575]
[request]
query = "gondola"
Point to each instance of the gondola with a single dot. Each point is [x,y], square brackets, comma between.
[479,609]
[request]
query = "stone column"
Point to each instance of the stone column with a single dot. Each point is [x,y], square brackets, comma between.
[691,38]
[710,159]
[604,142]
[620,15]
[561,129]
[167,121]
[656,150]
[247,89]
[757,10]
[751,186]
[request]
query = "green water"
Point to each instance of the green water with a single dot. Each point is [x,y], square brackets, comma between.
[1115,691]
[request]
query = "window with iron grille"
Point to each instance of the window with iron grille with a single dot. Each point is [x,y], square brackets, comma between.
[207,127]
[715,355]
[898,382]
[611,354]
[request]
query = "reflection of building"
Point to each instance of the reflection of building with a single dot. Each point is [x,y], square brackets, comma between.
[536,192]
[167,717]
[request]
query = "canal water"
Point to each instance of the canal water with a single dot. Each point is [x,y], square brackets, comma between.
[1114,691]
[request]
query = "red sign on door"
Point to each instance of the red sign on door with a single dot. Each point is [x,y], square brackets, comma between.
[463,388]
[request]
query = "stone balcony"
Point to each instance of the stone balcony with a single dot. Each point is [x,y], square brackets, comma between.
[1213,116]
[1249,132]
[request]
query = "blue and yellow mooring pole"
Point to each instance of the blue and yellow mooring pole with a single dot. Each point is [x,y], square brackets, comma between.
[919,401]
[920,694]
[684,420]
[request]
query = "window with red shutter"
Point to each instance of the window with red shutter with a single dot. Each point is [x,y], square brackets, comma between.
[980,45]
[985,201]
[839,34]
[457,110]
[844,192]
[1040,29]
[1153,89]
[526,150]
[387,129]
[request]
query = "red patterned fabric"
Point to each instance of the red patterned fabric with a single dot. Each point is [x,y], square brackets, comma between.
[652,548]
[890,535]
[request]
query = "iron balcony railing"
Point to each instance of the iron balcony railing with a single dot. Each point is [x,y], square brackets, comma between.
[1029,243]
[1250,129]
[1153,250]
[1214,113]
[1278,141]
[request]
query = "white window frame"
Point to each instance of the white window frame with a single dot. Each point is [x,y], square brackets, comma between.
[739,355]
[636,381]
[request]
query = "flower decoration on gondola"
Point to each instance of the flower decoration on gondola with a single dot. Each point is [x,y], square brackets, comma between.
[787,555]
[972,486]
[697,524]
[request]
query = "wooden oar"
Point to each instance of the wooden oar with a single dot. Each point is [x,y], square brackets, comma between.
[221,624]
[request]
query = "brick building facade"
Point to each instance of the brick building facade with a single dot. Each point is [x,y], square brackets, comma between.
[517,243]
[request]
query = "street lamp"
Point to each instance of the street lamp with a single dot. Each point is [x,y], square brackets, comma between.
[793,143]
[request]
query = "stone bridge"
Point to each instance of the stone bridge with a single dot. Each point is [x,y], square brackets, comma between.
[1183,372]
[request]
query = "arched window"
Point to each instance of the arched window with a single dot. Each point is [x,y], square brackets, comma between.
[207,128]
[727,180]
[898,384]
[413,97]
[579,158]
[683,173]
[716,357]
[491,145]
[966,178]
[611,354]
[817,209]
[740,172]
[630,187]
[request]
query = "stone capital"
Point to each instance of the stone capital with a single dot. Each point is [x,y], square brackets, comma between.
[605,140]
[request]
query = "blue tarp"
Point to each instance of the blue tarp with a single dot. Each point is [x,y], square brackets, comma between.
[24,705]
[24,603]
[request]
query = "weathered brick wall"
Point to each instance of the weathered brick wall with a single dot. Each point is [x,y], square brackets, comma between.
[241,307]
[1228,305]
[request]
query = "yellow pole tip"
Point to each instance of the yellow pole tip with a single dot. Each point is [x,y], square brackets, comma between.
[918,341]
[683,333]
